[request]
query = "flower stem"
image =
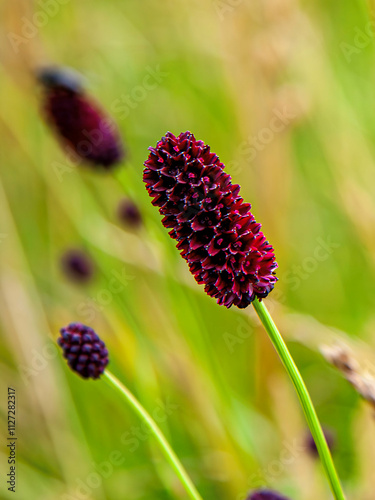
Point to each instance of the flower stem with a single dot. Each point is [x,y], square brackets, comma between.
[304,397]
[151,424]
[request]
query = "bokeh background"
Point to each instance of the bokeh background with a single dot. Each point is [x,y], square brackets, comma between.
[283,91]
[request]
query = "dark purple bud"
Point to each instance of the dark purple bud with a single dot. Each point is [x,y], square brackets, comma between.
[77,266]
[129,213]
[311,446]
[82,127]
[84,350]
[266,495]
[213,227]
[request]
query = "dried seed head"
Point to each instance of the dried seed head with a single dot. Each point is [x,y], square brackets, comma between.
[84,351]
[215,231]
[341,356]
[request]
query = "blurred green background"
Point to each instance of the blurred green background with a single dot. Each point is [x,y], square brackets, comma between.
[228,71]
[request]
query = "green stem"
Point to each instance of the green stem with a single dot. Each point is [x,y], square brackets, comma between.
[164,445]
[304,397]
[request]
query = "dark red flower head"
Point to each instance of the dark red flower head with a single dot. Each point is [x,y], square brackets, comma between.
[85,352]
[266,495]
[80,124]
[77,266]
[215,231]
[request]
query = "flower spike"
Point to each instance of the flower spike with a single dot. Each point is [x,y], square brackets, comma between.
[84,129]
[215,231]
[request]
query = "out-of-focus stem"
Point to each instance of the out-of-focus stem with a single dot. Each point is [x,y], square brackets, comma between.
[159,436]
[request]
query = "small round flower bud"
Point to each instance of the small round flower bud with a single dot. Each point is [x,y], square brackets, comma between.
[129,213]
[214,229]
[311,446]
[77,266]
[266,495]
[84,351]
[83,128]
